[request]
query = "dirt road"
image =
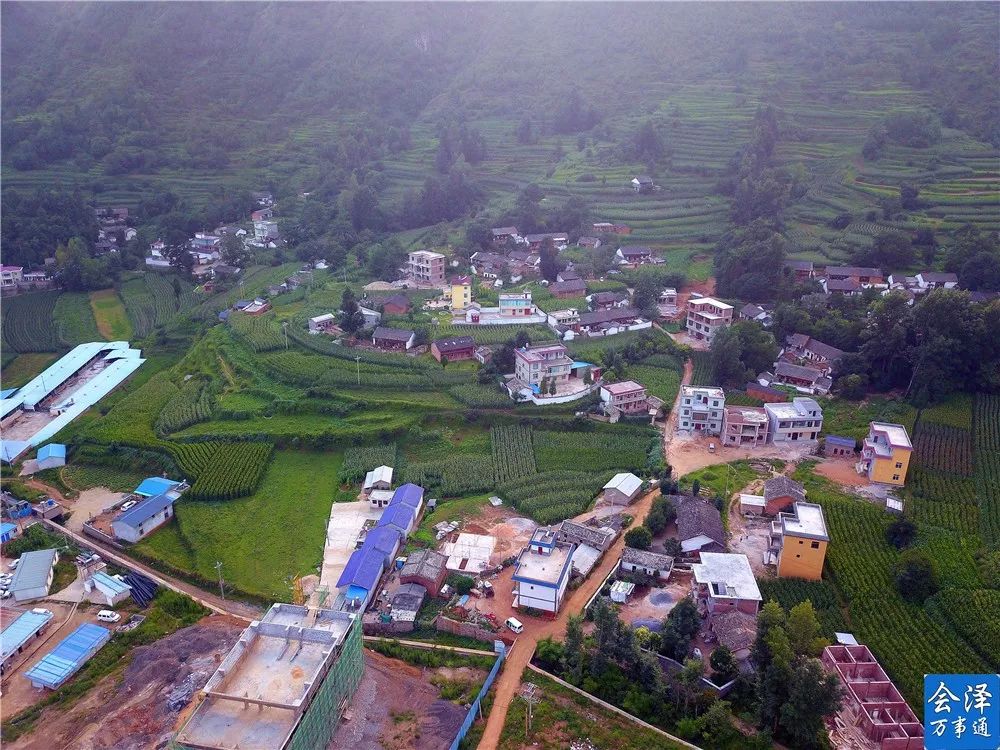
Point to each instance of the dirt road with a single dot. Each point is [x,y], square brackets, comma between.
[518,657]
[670,428]
[48,489]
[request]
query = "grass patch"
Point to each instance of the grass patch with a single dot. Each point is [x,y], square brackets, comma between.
[109,312]
[85,476]
[24,368]
[851,418]
[264,541]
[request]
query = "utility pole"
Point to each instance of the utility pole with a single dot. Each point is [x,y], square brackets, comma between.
[218,567]
[531,696]
[284,328]
[358,360]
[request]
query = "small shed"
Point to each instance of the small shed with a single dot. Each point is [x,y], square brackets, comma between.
[622,489]
[65,660]
[836,445]
[621,591]
[752,505]
[144,518]
[7,532]
[425,567]
[379,478]
[155,486]
[51,456]
[106,589]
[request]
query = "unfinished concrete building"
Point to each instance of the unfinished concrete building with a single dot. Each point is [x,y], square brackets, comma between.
[284,685]
[874,712]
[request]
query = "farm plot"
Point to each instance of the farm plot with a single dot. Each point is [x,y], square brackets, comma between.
[702,372]
[234,470]
[190,405]
[974,614]
[661,382]
[74,319]
[361,459]
[453,477]
[28,324]
[987,437]
[480,396]
[109,312]
[24,367]
[553,496]
[943,448]
[597,451]
[944,500]
[261,333]
[512,454]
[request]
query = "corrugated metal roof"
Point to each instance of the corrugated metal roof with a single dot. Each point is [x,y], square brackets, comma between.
[410,495]
[151,486]
[110,584]
[33,570]
[72,652]
[144,510]
[362,570]
[20,630]
[52,450]
[399,515]
[384,540]
[6,527]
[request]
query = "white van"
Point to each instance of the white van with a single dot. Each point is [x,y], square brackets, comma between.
[106,615]
[514,625]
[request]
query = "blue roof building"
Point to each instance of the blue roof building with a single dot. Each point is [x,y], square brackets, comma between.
[361,576]
[64,660]
[113,590]
[384,540]
[143,518]
[17,633]
[52,455]
[400,516]
[7,532]
[410,495]
[155,486]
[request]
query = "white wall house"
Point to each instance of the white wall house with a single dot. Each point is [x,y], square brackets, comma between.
[702,409]
[798,421]
[542,572]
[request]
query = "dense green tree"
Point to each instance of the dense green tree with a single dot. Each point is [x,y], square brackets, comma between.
[813,693]
[748,263]
[639,537]
[901,533]
[916,576]
[351,318]
[804,630]
[724,666]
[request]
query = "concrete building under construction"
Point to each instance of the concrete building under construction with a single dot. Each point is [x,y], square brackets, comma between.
[284,685]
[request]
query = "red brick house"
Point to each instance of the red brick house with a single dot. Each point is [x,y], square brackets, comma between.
[455,348]
[397,304]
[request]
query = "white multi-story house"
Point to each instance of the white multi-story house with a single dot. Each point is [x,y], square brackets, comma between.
[516,305]
[706,316]
[11,275]
[532,364]
[800,420]
[702,409]
[542,571]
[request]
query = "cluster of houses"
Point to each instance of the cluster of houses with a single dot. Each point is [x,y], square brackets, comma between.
[805,364]
[703,411]
[853,280]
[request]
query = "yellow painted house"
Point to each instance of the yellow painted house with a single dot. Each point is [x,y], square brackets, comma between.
[461,293]
[885,453]
[799,539]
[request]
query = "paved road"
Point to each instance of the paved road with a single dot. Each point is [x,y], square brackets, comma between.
[520,655]
[215,603]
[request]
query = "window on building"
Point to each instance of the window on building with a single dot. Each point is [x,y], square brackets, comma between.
[899,464]
[895,477]
[814,545]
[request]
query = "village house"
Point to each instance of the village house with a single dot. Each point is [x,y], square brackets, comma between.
[425,267]
[483,355]
[379,478]
[706,316]
[606,227]
[871,700]
[642,183]
[801,269]
[488,265]
[885,453]
[816,353]
[798,541]
[651,564]
[860,274]
[560,240]
[144,517]
[34,575]
[540,369]
[756,314]
[265,232]
[426,568]
[744,426]
[699,525]
[523,263]
[702,409]
[563,320]
[589,243]
[798,421]
[326,323]
[622,489]
[726,583]
[610,322]
[633,256]
[503,235]
[261,214]
[837,445]
[568,274]
[628,397]
[804,379]
[600,538]
[608,300]
[393,339]
[11,276]
[51,456]
[567,289]
[461,293]
[397,304]
[516,305]
[542,572]
[848,287]
[513,308]
[781,493]
[455,348]
[666,303]
[929,280]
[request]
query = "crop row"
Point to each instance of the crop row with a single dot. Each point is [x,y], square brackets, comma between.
[28,323]
[595,451]
[975,615]
[791,591]
[553,496]
[234,470]
[512,453]
[261,333]
[987,436]
[956,411]
[74,319]
[480,396]
[307,371]
[190,405]
[452,477]
[944,448]
[360,459]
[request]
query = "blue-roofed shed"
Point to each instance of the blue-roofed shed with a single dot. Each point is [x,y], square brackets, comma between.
[155,486]
[19,632]
[384,540]
[64,660]
[144,517]
[51,456]
[7,532]
[410,495]
[400,516]
[837,445]
[361,575]
[107,589]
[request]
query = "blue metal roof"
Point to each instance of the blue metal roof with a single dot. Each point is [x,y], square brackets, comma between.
[155,486]
[52,450]
[64,660]
[398,515]
[411,495]
[363,569]
[20,630]
[8,392]
[384,540]
[111,584]
[7,527]
[844,441]
[144,510]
